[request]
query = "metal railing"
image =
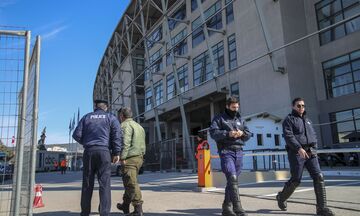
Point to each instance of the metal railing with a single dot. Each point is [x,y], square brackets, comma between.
[170,155]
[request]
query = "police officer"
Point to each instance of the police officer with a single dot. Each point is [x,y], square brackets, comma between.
[230,133]
[300,144]
[132,155]
[100,134]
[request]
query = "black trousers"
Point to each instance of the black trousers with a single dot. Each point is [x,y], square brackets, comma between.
[96,162]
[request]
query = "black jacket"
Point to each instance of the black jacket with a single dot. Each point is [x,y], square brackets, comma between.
[99,130]
[298,131]
[221,126]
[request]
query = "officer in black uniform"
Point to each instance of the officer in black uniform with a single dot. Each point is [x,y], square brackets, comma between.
[301,141]
[100,134]
[230,133]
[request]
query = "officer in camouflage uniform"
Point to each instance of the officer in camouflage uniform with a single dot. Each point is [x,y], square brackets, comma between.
[131,158]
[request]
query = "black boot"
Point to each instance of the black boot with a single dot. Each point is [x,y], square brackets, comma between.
[227,209]
[282,196]
[234,195]
[320,193]
[137,210]
[125,207]
[227,204]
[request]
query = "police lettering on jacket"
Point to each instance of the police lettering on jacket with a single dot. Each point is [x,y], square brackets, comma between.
[99,129]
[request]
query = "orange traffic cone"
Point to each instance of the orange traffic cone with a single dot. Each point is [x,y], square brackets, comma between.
[38,203]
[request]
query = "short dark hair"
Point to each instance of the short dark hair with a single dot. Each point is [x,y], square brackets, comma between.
[126,112]
[296,100]
[232,100]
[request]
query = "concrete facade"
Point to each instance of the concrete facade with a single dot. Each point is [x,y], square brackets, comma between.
[266,84]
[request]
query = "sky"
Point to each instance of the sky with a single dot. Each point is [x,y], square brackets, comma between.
[75,34]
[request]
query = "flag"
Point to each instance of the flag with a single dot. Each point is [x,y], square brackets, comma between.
[73,123]
[70,129]
[13,140]
[78,119]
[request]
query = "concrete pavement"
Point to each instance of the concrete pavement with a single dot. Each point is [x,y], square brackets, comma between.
[175,194]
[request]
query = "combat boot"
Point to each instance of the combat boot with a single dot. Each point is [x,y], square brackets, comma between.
[234,194]
[282,196]
[137,210]
[320,193]
[125,207]
[227,209]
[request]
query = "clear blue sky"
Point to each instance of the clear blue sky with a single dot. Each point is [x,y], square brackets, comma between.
[74,35]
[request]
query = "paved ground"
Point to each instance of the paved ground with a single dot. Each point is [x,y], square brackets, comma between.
[175,194]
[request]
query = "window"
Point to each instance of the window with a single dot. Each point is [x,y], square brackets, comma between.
[154,37]
[194,5]
[277,139]
[141,105]
[234,89]
[347,126]
[215,23]
[259,139]
[342,75]
[170,86]
[157,66]
[232,52]
[218,51]
[198,34]
[183,78]
[183,82]
[330,12]
[229,12]
[202,68]
[181,47]
[180,14]
[148,98]
[158,89]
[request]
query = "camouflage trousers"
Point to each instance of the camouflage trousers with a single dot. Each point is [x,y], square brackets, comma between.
[130,173]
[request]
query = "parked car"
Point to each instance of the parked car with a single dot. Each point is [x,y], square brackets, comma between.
[6,171]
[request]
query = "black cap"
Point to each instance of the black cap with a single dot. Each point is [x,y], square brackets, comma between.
[100,101]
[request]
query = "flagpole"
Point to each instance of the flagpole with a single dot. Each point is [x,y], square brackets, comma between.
[69,150]
[76,144]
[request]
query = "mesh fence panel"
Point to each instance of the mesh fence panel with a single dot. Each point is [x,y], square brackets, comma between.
[12,50]
[18,125]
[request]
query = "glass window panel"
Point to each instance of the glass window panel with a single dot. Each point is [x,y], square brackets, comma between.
[353,25]
[341,70]
[347,3]
[341,80]
[355,65]
[322,3]
[329,10]
[357,113]
[355,55]
[357,86]
[345,126]
[343,116]
[336,61]
[357,123]
[343,90]
[357,75]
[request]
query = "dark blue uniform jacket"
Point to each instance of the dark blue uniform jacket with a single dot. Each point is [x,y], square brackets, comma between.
[220,127]
[99,130]
[298,131]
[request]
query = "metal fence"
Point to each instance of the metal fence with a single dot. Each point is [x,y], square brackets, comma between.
[170,155]
[19,84]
